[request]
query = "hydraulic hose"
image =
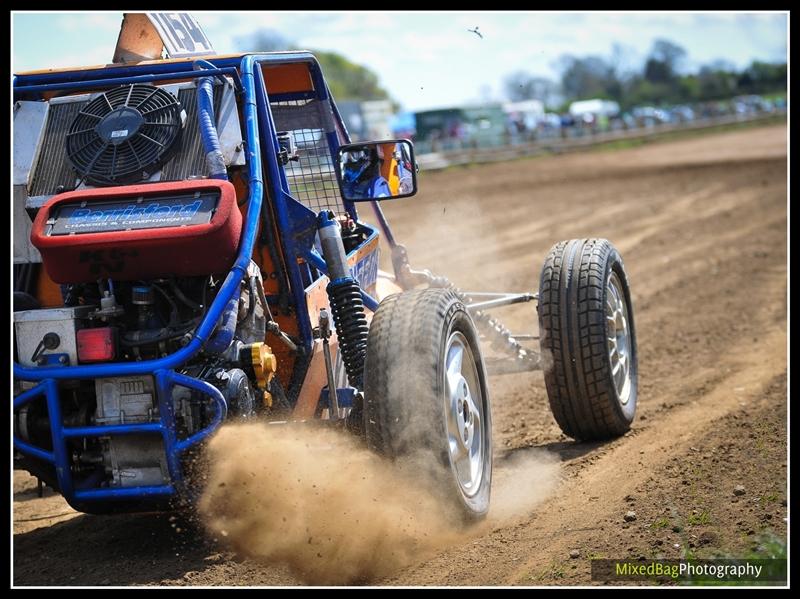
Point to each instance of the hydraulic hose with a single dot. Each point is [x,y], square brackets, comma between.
[149,336]
[227,327]
[208,129]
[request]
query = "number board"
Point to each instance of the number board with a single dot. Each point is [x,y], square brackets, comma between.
[181,34]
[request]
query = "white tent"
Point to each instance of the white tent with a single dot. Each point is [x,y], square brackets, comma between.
[529,111]
[596,107]
[535,107]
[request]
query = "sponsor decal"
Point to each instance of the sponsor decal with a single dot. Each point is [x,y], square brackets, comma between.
[365,270]
[132,214]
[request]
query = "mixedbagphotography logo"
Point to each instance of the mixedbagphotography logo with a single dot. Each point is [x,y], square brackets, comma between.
[707,570]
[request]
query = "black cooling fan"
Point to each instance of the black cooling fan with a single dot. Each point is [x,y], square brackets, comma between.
[124,135]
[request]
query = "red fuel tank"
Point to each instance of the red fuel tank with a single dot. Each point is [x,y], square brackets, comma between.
[179,228]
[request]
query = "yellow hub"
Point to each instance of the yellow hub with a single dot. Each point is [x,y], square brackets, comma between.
[264,363]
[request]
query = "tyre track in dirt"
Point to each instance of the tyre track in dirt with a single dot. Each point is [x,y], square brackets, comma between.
[572,519]
[708,273]
[701,224]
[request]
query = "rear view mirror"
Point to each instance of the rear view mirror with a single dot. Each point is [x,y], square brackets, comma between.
[377,170]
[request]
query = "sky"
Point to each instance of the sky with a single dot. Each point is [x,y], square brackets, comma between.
[430,59]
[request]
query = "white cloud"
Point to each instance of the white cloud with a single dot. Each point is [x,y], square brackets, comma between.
[86,22]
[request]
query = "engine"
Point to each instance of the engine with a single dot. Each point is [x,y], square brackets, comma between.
[139,240]
[124,321]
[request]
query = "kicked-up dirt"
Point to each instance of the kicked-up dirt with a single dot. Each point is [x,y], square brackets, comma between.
[702,226]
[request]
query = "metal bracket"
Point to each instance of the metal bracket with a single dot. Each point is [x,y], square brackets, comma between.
[323,331]
[54,360]
[345,397]
[496,300]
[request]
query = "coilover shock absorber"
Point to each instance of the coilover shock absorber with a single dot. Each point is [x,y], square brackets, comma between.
[344,296]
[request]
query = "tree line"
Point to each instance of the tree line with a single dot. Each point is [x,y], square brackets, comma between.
[346,79]
[661,80]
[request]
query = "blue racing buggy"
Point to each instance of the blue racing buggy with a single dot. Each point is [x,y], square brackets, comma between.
[188,248]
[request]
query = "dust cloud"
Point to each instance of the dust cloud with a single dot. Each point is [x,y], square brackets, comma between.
[334,512]
[319,502]
[522,480]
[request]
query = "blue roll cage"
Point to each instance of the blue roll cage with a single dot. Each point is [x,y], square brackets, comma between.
[297,226]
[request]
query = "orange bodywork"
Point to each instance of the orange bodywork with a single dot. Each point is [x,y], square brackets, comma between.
[280,78]
[47,291]
[261,256]
[287,78]
[389,168]
[143,62]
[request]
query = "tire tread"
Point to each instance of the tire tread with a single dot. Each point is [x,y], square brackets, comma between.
[572,328]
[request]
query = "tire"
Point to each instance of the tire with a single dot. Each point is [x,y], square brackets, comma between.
[410,400]
[592,382]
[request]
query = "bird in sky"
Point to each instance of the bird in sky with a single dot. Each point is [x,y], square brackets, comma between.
[476,32]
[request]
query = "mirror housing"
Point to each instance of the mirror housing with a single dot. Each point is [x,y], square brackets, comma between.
[377,170]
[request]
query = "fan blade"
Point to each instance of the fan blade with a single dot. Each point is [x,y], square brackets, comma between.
[81,131]
[151,139]
[96,116]
[135,155]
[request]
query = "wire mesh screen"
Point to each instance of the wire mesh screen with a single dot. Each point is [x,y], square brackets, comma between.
[312,178]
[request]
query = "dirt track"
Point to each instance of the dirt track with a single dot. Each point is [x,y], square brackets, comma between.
[701,224]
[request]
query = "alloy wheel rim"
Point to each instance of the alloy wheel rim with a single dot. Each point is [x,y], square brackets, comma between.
[618,338]
[464,408]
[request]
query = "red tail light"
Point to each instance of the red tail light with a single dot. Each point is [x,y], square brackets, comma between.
[96,345]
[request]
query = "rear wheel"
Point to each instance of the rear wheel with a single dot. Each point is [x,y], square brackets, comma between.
[425,388]
[587,339]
